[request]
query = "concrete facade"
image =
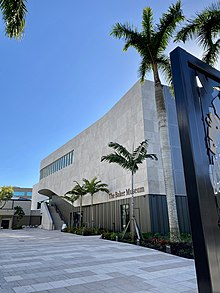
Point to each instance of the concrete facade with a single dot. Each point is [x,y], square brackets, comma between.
[132,120]
[7,218]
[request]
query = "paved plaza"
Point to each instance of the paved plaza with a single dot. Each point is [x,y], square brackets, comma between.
[36,260]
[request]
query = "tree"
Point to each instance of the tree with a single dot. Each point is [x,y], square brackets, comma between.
[205,28]
[13,13]
[93,187]
[77,192]
[129,161]
[151,43]
[71,196]
[19,213]
[6,193]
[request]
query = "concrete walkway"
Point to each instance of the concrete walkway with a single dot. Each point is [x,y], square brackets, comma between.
[36,260]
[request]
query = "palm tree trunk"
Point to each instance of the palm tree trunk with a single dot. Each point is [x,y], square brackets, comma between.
[72,215]
[80,211]
[92,210]
[167,163]
[132,207]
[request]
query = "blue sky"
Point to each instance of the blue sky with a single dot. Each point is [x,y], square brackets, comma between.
[65,73]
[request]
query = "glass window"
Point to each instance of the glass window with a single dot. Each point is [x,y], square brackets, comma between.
[67,159]
[71,157]
[57,165]
[29,193]
[19,193]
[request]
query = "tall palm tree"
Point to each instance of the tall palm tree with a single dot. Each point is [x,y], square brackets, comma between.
[205,28]
[151,43]
[129,161]
[13,13]
[93,187]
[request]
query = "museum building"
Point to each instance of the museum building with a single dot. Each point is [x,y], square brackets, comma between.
[132,120]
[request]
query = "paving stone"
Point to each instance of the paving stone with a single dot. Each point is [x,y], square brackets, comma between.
[13,278]
[78,289]
[23,289]
[58,290]
[8,290]
[59,284]
[42,286]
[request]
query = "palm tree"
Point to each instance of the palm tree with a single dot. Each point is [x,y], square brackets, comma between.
[93,187]
[129,161]
[205,28]
[13,13]
[71,196]
[80,191]
[151,43]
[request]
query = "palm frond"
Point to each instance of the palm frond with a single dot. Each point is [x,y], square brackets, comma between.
[120,149]
[140,153]
[142,147]
[167,25]
[79,188]
[147,24]
[129,34]
[14,13]
[71,198]
[118,159]
[130,163]
[205,28]
[94,186]
[211,55]
[187,32]
[144,67]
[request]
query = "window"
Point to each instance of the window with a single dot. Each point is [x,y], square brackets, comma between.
[57,165]
[19,193]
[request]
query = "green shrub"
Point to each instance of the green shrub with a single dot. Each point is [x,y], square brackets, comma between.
[147,235]
[17,227]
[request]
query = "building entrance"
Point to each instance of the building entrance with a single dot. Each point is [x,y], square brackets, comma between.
[5,224]
[125,215]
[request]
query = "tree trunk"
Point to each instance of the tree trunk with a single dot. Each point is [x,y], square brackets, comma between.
[1,207]
[167,163]
[80,211]
[132,207]
[92,210]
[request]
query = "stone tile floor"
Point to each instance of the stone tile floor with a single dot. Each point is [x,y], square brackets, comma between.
[37,260]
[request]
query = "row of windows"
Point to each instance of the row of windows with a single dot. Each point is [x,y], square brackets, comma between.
[59,164]
[22,193]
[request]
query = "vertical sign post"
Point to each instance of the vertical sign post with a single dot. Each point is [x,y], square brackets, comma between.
[197,92]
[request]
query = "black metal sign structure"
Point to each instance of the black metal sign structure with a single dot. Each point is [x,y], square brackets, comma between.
[197,92]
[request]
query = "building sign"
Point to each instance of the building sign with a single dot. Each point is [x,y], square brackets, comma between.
[125,192]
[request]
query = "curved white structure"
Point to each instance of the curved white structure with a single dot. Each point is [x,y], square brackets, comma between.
[132,120]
